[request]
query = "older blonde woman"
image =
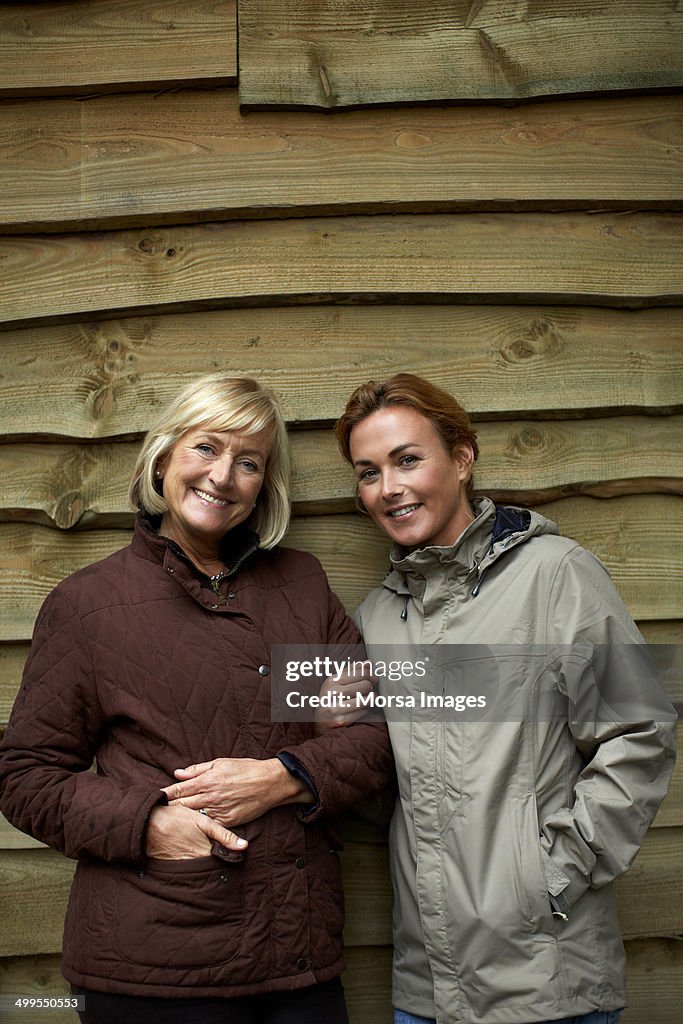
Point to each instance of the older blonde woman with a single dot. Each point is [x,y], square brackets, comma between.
[216,897]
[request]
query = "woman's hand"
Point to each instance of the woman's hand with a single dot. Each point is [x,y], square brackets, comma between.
[344,709]
[177,833]
[234,790]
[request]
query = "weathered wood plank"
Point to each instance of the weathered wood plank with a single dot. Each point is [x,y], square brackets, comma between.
[654,976]
[649,895]
[670,813]
[525,461]
[12,839]
[12,660]
[605,259]
[34,886]
[108,378]
[304,53]
[72,45]
[34,977]
[367,984]
[116,161]
[636,536]
[654,969]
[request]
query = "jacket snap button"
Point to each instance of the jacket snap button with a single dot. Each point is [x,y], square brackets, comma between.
[302,963]
[214,606]
[225,879]
[141,874]
[263,670]
[170,569]
[300,862]
[232,594]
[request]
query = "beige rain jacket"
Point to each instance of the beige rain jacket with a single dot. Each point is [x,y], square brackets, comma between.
[508,830]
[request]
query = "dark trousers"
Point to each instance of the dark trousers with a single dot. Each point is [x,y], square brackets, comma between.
[317,1004]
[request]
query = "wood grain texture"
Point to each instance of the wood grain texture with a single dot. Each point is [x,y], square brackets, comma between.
[38,977]
[654,973]
[636,536]
[116,161]
[312,54]
[34,886]
[649,895]
[109,378]
[670,813]
[367,984]
[526,462]
[86,46]
[605,259]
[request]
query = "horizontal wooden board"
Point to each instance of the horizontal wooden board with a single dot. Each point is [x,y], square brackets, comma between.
[526,461]
[649,895]
[636,536]
[37,977]
[72,46]
[606,259]
[109,378]
[670,813]
[654,973]
[304,53]
[117,161]
[654,976]
[34,886]
[367,984]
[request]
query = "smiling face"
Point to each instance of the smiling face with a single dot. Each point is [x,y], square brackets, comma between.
[411,486]
[211,480]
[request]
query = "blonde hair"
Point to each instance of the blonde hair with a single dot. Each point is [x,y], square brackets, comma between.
[220,401]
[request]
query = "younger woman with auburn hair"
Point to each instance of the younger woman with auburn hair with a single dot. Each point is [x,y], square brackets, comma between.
[508,829]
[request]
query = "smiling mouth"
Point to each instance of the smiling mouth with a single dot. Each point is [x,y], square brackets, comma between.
[218,502]
[399,512]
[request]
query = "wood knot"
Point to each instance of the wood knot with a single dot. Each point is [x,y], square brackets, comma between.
[529,438]
[68,510]
[151,245]
[539,338]
[412,140]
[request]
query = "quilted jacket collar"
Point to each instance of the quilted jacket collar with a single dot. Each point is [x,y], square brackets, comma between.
[236,547]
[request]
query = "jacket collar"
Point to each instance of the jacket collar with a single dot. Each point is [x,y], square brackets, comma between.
[236,547]
[495,531]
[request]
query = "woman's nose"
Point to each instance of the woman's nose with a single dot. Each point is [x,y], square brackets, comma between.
[390,484]
[221,471]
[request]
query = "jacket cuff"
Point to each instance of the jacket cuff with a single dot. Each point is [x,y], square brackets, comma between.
[295,768]
[563,890]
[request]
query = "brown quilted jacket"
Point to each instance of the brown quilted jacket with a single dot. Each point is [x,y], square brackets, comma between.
[137,661]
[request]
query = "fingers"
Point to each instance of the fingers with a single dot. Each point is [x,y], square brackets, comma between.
[213,830]
[194,784]
[193,770]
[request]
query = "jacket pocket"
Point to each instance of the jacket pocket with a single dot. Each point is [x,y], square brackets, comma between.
[180,913]
[535,891]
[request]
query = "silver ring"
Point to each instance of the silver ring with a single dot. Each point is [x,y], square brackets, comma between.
[202,810]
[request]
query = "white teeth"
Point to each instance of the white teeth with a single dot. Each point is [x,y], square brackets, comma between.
[209,497]
[403,511]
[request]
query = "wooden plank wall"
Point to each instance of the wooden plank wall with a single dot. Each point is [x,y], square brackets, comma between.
[154,226]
